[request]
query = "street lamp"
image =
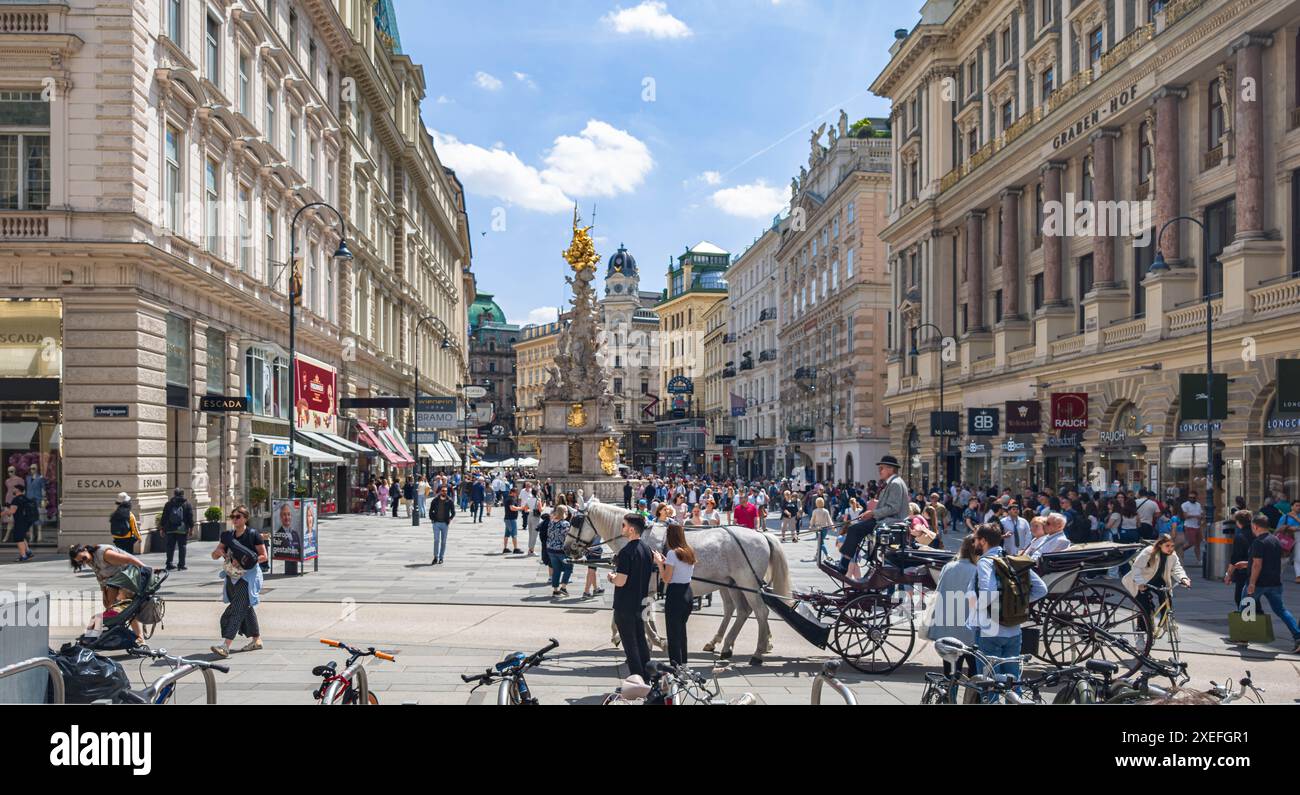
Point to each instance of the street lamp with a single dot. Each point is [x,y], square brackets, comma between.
[342,253]
[1158,265]
[413,433]
[915,352]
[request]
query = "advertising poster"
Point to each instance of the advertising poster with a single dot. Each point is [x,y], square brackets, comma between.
[315,406]
[293,529]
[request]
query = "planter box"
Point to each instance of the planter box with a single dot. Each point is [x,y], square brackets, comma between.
[211,531]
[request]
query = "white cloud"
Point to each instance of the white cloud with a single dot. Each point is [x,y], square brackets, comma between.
[711,178]
[756,200]
[542,314]
[443,100]
[526,79]
[486,81]
[600,161]
[651,18]
[496,172]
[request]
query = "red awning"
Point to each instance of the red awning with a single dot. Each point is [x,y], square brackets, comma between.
[370,438]
[394,441]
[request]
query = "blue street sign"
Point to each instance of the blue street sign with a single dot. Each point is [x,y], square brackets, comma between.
[280,450]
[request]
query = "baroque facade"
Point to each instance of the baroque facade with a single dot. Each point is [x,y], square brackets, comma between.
[147,251]
[755,375]
[1044,145]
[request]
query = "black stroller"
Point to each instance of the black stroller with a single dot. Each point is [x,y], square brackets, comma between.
[114,633]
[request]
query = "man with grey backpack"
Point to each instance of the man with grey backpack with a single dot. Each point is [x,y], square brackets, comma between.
[177,521]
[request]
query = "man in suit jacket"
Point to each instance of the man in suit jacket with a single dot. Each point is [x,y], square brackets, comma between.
[891,506]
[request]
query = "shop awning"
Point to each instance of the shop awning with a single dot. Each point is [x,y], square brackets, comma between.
[453,457]
[335,444]
[301,450]
[394,439]
[436,455]
[381,446]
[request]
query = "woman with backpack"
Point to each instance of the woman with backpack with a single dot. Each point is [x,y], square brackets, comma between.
[123,526]
[242,551]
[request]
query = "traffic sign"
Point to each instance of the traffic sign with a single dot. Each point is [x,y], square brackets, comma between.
[280,450]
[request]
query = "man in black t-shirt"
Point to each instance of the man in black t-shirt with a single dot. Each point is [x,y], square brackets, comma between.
[25,513]
[631,579]
[1266,575]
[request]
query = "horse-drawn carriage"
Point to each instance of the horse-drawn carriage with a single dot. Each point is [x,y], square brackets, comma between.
[871,622]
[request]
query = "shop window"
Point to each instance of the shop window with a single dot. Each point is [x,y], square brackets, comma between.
[24,151]
[1220,229]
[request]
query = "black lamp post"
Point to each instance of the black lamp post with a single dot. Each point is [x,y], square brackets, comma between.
[341,253]
[943,437]
[413,433]
[1159,265]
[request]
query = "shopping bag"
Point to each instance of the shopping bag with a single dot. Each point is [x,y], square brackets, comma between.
[1258,628]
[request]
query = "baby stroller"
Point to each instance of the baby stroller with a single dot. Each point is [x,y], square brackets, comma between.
[111,630]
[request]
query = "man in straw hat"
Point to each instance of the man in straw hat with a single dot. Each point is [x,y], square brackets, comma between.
[891,506]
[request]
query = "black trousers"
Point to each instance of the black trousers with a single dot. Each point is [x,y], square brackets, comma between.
[127,545]
[175,540]
[677,608]
[631,629]
[854,535]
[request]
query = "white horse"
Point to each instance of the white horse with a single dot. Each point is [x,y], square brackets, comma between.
[736,556]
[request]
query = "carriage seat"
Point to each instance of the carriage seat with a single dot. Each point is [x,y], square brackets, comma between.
[1099,555]
[924,556]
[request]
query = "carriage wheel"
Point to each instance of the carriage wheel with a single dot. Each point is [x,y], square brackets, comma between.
[1065,619]
[872,635]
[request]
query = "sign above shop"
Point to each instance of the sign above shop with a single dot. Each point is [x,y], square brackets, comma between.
[113,412]
[1288,386]
[1282,426]
[1024,416]
[1013,446]
[681,385]
[375,403]
[436,412]
[1095,117]
[1197,429]
[982,422]
[724,440]
[218,404]
[280,449]
[1070,441]
[1192,396]
[1069,411]
[944,423]
[976,448]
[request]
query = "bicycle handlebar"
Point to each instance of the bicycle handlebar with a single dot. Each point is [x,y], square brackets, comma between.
[161,654]
[358,652]
[530,661]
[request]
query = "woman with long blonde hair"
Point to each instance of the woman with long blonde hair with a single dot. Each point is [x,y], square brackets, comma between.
[676,570]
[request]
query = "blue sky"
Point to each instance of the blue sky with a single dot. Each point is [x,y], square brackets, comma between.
[678,120]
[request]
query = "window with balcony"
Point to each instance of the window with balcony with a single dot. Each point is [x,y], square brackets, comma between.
[173,193]
[973,141]
[212,49]
[1046,84]
[175,25]
[1008,116]
[212,208]
[1216,118]
[1155,7]
[1085,277]
[1220,229]
[1095,42]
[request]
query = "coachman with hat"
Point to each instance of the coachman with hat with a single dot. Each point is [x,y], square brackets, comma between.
[891,506]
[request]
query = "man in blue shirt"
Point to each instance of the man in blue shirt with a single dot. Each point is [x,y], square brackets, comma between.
[991,637]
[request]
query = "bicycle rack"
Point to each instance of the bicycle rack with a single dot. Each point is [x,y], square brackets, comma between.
[56,676]
[209,682]
[355,673]
[827,677]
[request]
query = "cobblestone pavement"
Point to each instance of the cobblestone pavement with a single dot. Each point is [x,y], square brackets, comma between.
[376,586]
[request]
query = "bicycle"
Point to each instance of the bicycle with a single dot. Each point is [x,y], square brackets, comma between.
[338,688]
[1082,682]
[677,685]
[512,687]
[163,689]
[1162,618]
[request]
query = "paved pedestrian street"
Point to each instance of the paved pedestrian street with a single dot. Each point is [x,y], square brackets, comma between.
[376,587]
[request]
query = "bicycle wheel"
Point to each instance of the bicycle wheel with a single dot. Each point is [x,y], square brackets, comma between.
[1079,691]
[353,696]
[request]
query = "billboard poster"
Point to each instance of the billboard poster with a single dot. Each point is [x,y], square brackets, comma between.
[293,529]
[314,393]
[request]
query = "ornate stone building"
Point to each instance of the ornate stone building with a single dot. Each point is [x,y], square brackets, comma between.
[492,365]
[752,370]
[834,292]
[715,402]
[1044,143]
[534,354]
[146,249]
[630,353]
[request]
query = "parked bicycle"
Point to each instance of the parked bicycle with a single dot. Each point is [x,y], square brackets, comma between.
[163,689]
[1080,684]
[509,674]
[677,685]
[352,685]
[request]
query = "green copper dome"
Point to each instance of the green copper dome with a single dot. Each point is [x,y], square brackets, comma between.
[484,309]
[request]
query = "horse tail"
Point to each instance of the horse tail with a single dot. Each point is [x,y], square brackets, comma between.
[777,566]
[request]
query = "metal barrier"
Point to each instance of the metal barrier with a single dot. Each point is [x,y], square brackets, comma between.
[827,677]
[209,682]
[356,673]
[56,676]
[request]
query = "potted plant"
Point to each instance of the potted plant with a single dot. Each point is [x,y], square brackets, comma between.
[212,526]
